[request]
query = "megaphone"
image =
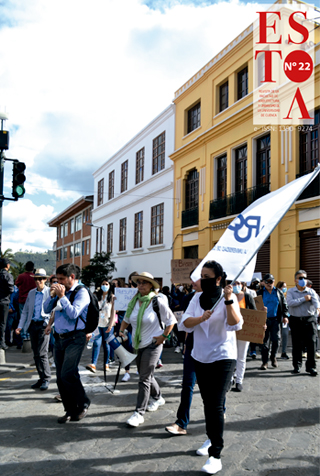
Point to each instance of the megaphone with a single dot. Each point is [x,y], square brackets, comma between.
[123,355]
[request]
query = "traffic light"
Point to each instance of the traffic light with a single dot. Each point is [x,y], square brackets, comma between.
[18,179]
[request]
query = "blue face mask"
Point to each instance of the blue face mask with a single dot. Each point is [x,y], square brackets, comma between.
[302,282]
[105,288]
[284,290]
[237,289]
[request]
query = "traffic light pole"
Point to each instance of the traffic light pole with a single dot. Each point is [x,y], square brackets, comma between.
[1,195]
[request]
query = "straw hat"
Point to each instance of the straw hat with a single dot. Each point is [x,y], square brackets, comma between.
[40,273]
[146,277]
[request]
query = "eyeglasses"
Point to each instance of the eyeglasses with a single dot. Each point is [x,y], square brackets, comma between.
[40,279]
[142,283]
[269,281]
[54,282]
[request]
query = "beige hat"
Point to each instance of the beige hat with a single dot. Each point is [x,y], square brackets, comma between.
[40,273]
[146,277]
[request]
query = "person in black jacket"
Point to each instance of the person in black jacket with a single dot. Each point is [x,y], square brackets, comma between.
[277,306]
[6,289]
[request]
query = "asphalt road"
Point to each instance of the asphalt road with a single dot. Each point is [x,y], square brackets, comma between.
[272,427]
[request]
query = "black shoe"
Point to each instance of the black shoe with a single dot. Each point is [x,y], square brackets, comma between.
[296,370]
[238,387]
[65,418]
[44,385]
[312,372]
[37,384]
[4,347]
[284,356]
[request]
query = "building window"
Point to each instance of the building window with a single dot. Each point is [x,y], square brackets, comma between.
[88,247]
[100,191]
[83,248]
[193,118]
[72,225]
[223,96]
[241,169]
[309,145]
[158,154]
[138,226]
[157,224]
[77,249]
[58,255]
[71,251]
[124,176]
[263,160]
[110,238]
[243,83]
[65,231]
[192,189]
[78,222]
[61,231]
[111,185]
[222,176]
[123,234]
[65,253]
[139,165]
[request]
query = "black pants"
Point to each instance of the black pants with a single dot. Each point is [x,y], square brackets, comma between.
[304,334]
[40,346]
[4,311]
[213,381]
[273,334]
[67,355]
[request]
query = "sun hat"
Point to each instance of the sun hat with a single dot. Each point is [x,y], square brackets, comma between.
[40,273]
[146,277]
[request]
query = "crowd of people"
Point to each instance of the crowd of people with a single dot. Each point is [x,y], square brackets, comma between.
[199,320]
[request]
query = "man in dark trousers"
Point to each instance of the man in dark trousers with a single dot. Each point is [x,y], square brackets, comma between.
[25,283]
[70,339]
[6,289]
[276,303]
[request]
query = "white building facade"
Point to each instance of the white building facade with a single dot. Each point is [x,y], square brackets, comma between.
[133,202]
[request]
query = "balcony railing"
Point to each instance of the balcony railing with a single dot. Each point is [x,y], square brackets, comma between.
[190,217]
[236,202]
[313,189]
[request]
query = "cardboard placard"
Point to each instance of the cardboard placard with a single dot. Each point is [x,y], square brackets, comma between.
[252,329]
[259,303]
[123,297]
[181,269]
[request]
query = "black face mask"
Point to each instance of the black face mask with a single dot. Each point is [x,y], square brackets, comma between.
[211,293]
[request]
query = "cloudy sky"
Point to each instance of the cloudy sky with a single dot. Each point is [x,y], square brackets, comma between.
[80,78]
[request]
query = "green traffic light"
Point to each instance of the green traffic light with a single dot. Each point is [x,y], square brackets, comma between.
[19,191]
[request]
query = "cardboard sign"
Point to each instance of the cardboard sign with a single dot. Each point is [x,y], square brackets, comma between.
[181,269]
[252,329]
[123,297]
[259,303]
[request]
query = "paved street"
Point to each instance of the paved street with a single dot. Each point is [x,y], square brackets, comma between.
[272,427]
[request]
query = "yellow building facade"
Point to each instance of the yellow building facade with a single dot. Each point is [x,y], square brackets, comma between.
[223,162]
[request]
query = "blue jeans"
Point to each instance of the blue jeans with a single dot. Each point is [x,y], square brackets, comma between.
[188,383]
[97,341]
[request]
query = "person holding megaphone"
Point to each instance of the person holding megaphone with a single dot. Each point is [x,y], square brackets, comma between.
[152,321]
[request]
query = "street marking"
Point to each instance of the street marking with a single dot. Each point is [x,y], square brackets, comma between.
[21,373]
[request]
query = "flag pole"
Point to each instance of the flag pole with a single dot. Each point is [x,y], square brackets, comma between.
[314,174]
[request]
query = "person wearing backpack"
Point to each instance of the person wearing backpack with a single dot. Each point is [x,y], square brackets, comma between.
[70,338]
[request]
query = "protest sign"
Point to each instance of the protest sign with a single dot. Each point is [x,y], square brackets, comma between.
[252,329]
[181,269]
[123,297]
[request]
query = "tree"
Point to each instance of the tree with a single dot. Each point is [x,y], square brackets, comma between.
[101,267]
[17,269]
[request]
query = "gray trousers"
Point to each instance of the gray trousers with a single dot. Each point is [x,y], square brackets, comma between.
[146,361]
[40,346]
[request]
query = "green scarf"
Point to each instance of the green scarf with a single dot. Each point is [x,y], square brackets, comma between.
[145,303]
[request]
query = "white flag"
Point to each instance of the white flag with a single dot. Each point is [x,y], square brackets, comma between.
[236,250]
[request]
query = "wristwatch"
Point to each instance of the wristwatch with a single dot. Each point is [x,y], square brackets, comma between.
[228,302]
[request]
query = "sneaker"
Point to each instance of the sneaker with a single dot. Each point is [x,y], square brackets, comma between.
[304,355]
[264,366]
[238,387]
[135,420]
[274,363]
[285,356]
[317,355]
[92,368]
[44,385]
[176,430]
[253,355]
[155,404]
[177,350]
[312,372]
[37,384]
[204,449]
[159,364]
[212,466]
[126,377]
[107,368]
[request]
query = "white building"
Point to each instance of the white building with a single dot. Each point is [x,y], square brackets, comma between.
[133,203]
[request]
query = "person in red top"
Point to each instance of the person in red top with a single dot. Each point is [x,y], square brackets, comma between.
[25,283]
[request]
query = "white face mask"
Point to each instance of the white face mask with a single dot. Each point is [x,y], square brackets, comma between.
[105,288]
[181,289]
[237,289]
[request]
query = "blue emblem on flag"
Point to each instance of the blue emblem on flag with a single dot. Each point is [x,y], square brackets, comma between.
[250,223]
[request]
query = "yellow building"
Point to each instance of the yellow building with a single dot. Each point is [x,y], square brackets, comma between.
[222,162]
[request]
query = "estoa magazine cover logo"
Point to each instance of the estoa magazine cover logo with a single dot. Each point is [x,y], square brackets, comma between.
[283,59]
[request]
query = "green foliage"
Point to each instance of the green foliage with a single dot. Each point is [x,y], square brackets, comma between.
[100,267]
[17,269]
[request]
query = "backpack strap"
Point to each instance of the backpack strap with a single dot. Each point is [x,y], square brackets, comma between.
[155,307]
[71,299]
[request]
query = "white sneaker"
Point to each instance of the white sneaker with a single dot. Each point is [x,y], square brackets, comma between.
[135,420]
[155,404]
[212,466]
[203,450]
[177,349]
[126,377]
